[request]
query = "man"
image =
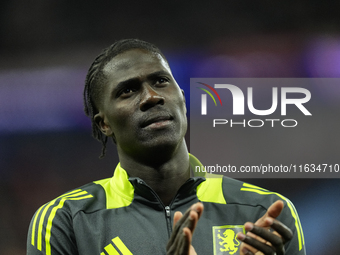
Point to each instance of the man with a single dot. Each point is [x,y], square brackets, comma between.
[132,97]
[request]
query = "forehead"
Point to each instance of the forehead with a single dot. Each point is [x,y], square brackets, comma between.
[133,64]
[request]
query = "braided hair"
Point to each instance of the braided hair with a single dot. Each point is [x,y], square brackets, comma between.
[95,80]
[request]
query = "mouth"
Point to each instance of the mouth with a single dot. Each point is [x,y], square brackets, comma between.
[157,121]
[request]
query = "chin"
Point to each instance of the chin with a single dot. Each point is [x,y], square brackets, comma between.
[162,143]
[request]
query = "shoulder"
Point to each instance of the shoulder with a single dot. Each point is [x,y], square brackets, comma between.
[242,193]
[232,191]
[239,192]
[89,197]
[53,220]
[245,194]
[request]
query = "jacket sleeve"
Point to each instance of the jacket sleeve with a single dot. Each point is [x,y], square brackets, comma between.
[51,232]
[289,216]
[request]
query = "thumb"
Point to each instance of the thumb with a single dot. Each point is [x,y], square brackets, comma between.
[273,212]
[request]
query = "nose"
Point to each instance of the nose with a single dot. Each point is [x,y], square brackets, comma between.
[150,98]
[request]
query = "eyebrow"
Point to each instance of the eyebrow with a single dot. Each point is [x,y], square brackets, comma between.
[123,84]
[132,81]
[157,74]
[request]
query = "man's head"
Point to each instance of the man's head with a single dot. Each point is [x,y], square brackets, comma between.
[130,83]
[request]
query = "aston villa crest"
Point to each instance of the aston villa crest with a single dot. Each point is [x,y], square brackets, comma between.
[225,241]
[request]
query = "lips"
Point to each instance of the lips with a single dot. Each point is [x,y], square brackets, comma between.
[155,118]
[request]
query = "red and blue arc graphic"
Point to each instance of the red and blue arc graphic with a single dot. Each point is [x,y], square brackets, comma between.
[208,92]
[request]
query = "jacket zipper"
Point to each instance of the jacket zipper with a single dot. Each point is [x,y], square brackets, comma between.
[168,219]
[166,208]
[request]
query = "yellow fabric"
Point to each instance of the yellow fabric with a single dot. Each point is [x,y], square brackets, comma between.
[121,246]
[119,191]
[211,189]
[74,195]
[255,189]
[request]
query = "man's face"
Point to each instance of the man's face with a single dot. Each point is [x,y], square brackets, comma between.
[142,106]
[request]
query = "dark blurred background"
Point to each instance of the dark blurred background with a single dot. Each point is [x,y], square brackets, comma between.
[46,47]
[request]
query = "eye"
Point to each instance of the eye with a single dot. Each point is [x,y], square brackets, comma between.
[162,80]
[126,92]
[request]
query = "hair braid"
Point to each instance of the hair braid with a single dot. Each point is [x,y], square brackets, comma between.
[89,104]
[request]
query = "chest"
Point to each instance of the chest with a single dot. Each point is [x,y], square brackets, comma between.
[140,229]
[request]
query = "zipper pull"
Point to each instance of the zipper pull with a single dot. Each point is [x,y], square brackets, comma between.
[167,210]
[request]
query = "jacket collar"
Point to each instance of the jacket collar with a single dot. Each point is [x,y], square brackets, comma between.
[124,186]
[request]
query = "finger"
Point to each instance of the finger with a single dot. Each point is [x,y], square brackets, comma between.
[190,222]
[245,249]
[198,207]
[188,219]
[273,211]
[281,229]
[268,236]
[181,243]
[185,245]
[176,228]
[266,249]
[177,216]
[285,232]
[252,234]
[181,219]
[195,214]
[277,239]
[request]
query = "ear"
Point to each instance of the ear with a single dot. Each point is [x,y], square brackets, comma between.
[102,124]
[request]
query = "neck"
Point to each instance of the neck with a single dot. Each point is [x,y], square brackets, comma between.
[164,174]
